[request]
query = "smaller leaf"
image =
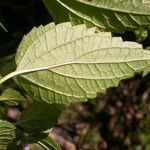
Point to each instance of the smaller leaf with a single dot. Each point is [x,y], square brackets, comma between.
[7,134]
[39,117]
[49,144]
[11,97]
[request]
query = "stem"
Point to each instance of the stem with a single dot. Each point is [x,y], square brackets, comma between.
[15,73]
[7,77]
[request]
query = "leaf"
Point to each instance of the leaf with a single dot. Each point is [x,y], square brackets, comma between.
[61,15]
[61,64]
[39,117]
[49,144]
[7,134]
[110,15]
[11,97]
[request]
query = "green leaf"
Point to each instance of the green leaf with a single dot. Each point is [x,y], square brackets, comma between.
[11,97]
[113,15]
[61,15]
[39,117]
[49,144]
[60,64]
[7,134]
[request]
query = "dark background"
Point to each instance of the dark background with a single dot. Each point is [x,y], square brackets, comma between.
[19,17]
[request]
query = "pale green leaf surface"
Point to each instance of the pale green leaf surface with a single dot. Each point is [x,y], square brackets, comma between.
[114,15]
[60,64]
[39,117]
[7,134]
[11,97]
[49,144]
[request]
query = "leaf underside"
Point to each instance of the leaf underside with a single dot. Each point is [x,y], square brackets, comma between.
[7,134]
[111,15]
[71,64]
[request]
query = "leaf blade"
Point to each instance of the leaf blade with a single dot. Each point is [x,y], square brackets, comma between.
[7,134]
[61,15]
[116,16]
[11,97]
[61,63]
[39,117]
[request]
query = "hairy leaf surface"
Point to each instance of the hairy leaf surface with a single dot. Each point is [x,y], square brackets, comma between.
[7,134]
[60,64]
[114,15]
